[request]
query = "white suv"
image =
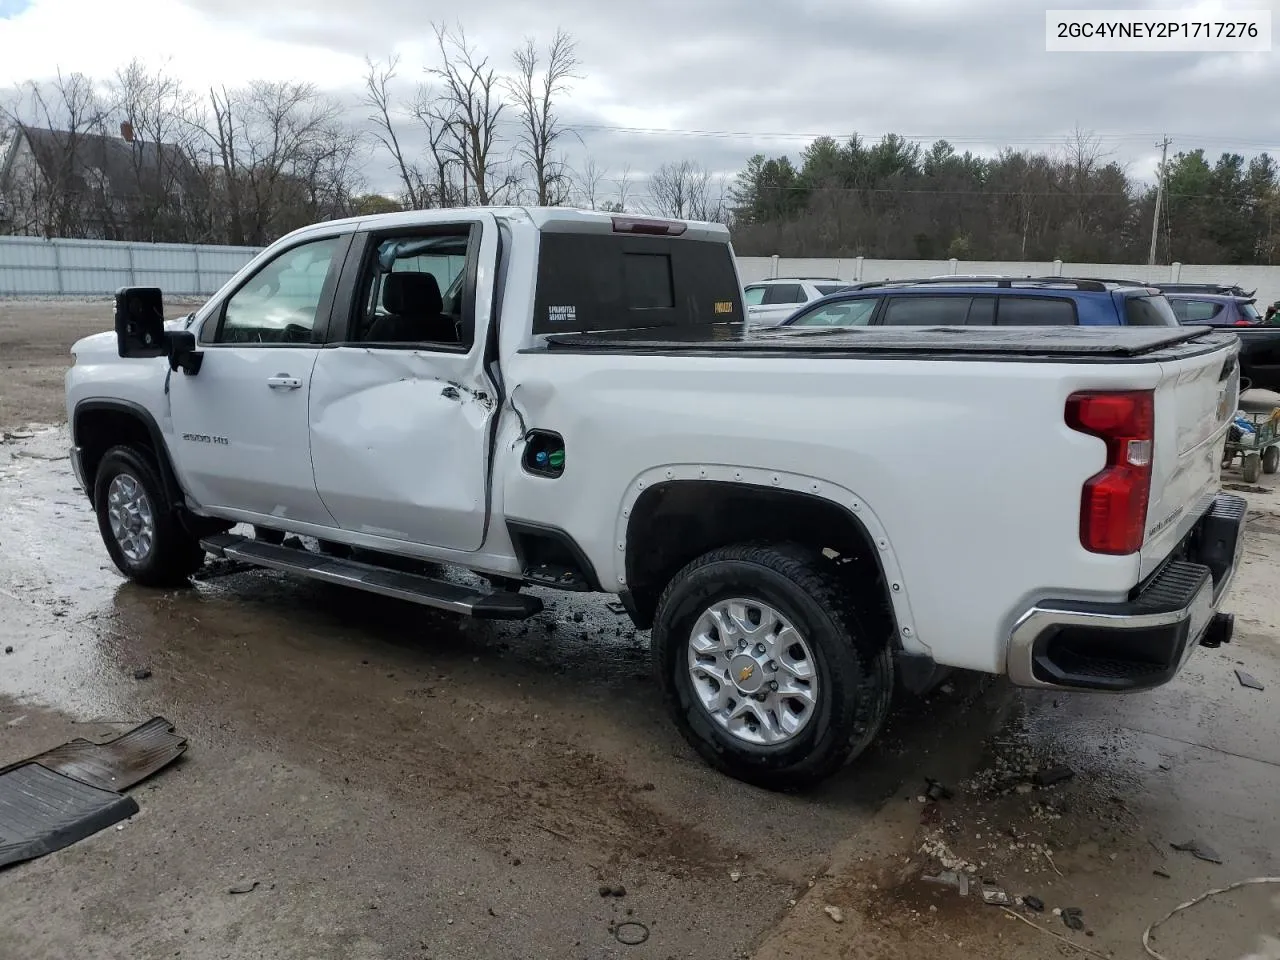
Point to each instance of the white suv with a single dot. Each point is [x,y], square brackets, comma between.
[769,302]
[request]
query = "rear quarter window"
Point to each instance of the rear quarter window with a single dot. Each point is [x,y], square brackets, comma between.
[1036,312]
[590,282]
[1151,311]
[1196,311]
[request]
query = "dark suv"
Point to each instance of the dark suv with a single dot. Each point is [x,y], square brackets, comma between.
[991,301]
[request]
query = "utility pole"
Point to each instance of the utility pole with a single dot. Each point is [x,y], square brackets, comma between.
[1155,219]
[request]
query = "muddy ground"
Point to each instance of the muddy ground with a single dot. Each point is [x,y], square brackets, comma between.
[405,784]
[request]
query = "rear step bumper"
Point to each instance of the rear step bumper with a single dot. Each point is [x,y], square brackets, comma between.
[1143,642]
[441,594]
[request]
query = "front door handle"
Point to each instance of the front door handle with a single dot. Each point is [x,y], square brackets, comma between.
[282,382]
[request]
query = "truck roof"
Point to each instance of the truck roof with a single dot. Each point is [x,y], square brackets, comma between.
[558,218]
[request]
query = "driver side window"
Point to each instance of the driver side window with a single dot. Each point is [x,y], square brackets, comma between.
[280,303]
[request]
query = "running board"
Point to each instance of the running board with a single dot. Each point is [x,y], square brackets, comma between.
[454,597]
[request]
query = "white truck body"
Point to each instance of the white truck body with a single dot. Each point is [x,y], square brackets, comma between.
[943,457]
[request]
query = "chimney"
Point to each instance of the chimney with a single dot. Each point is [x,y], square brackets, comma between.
[126,131]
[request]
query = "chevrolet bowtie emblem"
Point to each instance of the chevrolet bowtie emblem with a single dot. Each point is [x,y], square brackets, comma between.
[745,673]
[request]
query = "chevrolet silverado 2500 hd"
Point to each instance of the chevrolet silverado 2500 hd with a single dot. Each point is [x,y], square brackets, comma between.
[566,400]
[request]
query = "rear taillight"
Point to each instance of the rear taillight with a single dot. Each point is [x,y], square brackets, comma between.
[1113,506]
[1243,323]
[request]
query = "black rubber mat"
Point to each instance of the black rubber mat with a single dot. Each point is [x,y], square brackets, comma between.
[42,811]
[117,764]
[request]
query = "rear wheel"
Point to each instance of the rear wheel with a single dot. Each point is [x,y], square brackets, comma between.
[1251,467]
[1271,460]
[138,522]
[765,666]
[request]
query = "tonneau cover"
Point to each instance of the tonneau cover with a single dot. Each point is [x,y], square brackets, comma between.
[1046,342]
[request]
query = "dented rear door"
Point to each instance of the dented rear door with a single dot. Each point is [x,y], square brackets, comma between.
[400,430]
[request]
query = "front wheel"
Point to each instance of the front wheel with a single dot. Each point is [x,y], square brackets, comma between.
[138,523]
[766,667]
[1271,460]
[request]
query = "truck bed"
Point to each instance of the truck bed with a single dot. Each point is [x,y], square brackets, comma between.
[1051,344]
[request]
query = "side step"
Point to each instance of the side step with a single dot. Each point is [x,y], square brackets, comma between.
[486,604]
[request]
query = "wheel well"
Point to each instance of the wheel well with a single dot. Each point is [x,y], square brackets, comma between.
[96,429]
[674,523]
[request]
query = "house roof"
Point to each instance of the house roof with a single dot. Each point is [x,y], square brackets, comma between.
[126,167]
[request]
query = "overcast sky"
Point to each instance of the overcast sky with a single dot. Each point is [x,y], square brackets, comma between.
[708,80]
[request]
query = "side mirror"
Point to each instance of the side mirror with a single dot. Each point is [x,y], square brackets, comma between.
[140,322]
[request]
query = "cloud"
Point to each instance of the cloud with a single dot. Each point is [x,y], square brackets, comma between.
[723,78]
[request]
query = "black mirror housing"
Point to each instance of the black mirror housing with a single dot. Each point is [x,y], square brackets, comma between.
[140,322]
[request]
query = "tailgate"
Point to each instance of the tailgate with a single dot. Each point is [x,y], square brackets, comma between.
[1195,402]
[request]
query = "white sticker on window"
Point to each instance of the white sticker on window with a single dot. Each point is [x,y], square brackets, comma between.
[567,314]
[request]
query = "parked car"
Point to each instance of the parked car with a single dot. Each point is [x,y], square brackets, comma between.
[1029,301]
[769,302]
[1221,289]
[588,414]
[1215,309]
[1259,341]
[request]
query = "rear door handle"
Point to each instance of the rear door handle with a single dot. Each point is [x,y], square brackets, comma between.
[283,383]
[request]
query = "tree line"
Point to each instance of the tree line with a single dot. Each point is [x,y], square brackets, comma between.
[896,199]
[142,156]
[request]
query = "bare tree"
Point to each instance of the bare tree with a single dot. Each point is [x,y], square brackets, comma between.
[623,183]
[470,108]
[444,189]
[377,97]
[284,156]
[160,137]
[588,181]
[682,190]
[535,89]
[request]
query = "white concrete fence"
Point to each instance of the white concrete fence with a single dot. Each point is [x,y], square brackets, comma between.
[30,266]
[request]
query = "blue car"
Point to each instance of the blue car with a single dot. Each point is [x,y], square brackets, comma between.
[991,301]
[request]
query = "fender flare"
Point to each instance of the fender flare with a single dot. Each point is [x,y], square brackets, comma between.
[144,416]
[857,509]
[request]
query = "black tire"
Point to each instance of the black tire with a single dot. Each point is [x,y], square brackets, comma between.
[855,668]
[1251,467]
[174,554]
[1271,460]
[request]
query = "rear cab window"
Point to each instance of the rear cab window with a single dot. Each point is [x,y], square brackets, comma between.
[590,282]
[1149,311]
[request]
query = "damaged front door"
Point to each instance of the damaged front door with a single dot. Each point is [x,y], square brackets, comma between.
[401,407]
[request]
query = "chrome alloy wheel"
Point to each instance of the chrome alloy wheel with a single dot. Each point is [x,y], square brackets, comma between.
[753,672]
[132,522]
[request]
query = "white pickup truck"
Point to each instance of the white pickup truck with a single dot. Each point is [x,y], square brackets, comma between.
[807,519]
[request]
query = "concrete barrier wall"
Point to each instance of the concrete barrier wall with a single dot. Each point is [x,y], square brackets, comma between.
[30,266]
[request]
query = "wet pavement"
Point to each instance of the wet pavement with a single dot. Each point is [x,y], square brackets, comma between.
[407,784]
[402,783]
